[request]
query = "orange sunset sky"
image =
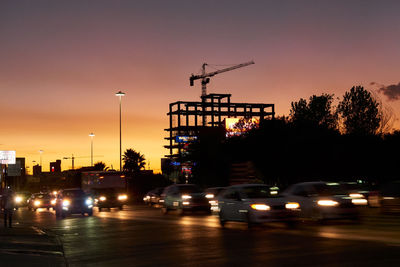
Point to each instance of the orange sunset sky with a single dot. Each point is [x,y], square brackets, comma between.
[61,63]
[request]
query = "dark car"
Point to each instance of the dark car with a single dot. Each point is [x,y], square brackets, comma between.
[322,201]
[153,196]
[21,199]
[73,201]
[183,197]
[389,196]
[254,204]
[109,198]
[40,200]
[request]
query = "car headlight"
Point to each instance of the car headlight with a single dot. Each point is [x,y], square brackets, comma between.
[102,198]
[210,196]
[66,203]
[356,195]
[53,201]
[186,197]
[292,205]
[18,199]
[327,203]
[122,197]
[37,202]
[260,207]
[89,201]
[359,201]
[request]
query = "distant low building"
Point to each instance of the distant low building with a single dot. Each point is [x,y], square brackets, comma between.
[55,166]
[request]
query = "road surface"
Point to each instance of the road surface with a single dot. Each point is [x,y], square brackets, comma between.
[141,236]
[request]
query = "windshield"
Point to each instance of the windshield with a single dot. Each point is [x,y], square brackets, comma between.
[256,192]
[42,196]
[107,191]
[329,189]
[75,193]
[189,189]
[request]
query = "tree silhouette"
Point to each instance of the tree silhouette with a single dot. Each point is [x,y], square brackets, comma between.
[359,112]
[100,166]
[317,112]
[133,161]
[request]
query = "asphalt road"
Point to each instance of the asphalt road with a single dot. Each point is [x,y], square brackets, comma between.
[142,236]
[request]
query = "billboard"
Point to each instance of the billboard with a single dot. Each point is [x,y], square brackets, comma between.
[185,139]
[7,156]
[236,126]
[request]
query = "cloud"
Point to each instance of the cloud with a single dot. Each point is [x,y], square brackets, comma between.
[391,91]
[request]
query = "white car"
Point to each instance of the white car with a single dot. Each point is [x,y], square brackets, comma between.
[253,203]
[322,200]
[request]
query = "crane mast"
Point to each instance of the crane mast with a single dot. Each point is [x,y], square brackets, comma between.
[205,77]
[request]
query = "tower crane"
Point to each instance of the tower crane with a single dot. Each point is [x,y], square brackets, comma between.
[72,158]
[205,77]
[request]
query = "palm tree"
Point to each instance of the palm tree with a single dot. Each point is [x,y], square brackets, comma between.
[100,166]
[133,161]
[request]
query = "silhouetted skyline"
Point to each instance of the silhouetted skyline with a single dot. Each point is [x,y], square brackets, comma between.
[63,62]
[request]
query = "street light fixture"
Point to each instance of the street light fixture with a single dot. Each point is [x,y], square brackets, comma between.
[91,148]
[120,95]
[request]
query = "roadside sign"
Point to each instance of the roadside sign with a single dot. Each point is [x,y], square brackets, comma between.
[7,156]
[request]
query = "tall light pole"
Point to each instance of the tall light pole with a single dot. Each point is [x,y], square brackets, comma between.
[41,152]
[91,148]
[120,95]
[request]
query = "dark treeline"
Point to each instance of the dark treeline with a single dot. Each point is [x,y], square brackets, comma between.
[317,141]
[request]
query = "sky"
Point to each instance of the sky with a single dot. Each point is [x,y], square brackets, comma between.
[61,63]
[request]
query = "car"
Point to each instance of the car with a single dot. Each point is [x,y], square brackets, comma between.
[360,192]
[389,196]
[153,196]
[109,198]
[40,200]
[183,197]
[254,204]
[321,201]
[73,201]
[21,199]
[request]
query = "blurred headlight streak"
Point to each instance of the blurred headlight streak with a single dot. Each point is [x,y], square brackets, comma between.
[18,199]
[273,192]
[66,203]
[185,203]
[37,203]
[102,198]
[53,201]
[327,203]
[210,196]
[359,201]
[388,197]
[292,205]
[356,195]
[89,201]
[260,207]
[122,197]
[186,197]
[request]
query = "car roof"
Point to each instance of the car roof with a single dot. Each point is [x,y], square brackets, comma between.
[313,183]
[247,185]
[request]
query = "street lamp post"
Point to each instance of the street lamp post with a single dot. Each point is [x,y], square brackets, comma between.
[120,95]
[91,148]
[41,152]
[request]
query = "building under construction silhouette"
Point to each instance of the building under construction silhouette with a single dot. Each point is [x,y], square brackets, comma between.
[187,119]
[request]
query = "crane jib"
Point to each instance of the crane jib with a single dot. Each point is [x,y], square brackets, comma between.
[211,74]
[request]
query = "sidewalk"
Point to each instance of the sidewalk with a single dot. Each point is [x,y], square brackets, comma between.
[29,246]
